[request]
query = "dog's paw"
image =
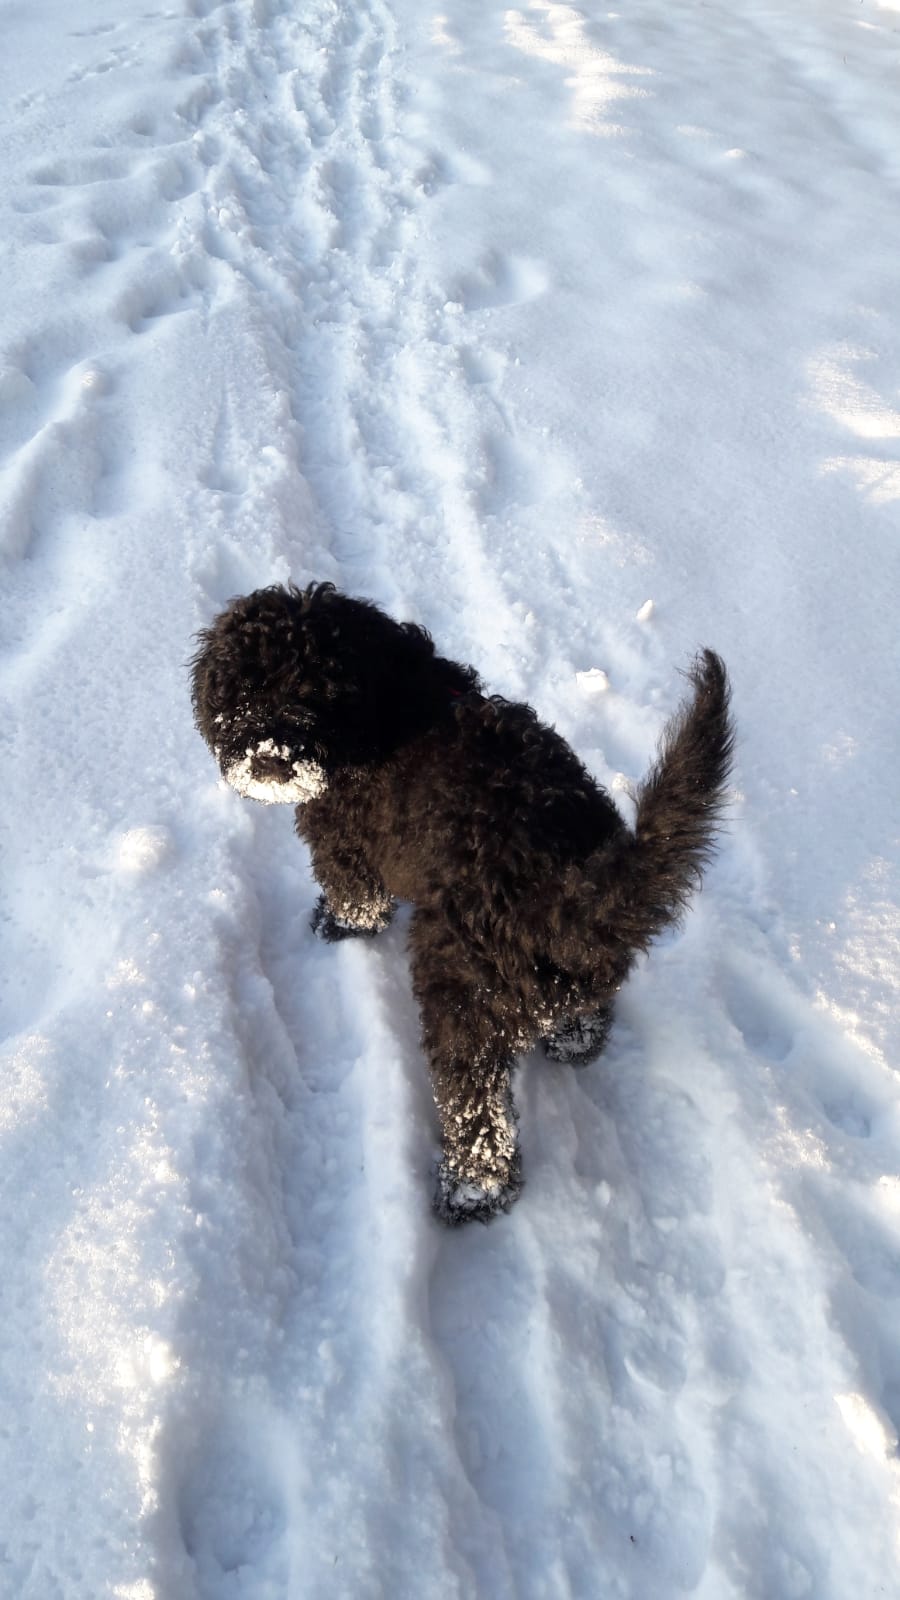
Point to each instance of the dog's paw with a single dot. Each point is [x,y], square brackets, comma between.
[577,1041]
[331,928]
[458,1199]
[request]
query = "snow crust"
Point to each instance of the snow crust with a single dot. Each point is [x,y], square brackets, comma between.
[508,317]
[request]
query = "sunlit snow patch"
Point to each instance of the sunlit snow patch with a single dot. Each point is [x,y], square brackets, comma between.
[864,1426]
[24,1086]
[560,33]
[842,394]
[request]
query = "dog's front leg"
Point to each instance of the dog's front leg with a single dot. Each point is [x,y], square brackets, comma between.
[580,1038]
[334,919]
[354,902]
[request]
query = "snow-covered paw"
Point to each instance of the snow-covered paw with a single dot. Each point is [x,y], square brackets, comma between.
[331,927]
[577,1041]
[458,1199]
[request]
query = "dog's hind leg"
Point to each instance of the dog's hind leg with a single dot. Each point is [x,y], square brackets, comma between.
[471,1063]
[354,902]
[479,1173]
[579,1040]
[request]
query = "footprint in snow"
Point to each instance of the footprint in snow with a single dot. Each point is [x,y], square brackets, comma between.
[758,1018]
[167,290]
[226,472]
[785,1028]
[441,169]
[500,280]
[79,171]
[235,1488]
[91,33]
[503,474]
[481,367]
[52,458]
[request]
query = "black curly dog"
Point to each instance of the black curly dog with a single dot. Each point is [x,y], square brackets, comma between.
[531,895]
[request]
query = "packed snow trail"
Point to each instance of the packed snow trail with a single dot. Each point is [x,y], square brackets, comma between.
[514,319]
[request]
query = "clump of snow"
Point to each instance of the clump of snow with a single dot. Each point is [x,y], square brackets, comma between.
[645,612]
[94,380]
[593,681]
[143,849]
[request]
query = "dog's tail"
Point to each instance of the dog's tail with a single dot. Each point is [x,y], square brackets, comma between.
[679,805]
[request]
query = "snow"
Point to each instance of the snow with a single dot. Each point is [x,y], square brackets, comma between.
[506,317]
[593,681]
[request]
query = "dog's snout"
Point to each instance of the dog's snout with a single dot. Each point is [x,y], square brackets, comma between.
[273,773]
[273,766]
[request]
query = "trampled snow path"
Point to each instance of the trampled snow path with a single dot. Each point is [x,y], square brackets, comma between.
[513,319]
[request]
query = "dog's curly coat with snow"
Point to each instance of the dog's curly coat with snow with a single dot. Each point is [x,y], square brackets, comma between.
[531,895]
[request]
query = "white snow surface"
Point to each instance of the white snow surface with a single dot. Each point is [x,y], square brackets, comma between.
[507,317]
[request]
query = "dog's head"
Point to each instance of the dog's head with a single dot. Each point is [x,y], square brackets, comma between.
[290,685]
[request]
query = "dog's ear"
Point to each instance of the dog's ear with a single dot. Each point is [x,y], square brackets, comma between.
[314,597]
[415,688]
[253,646]
[370,671]
[214,666]
[199,672]
[402,653]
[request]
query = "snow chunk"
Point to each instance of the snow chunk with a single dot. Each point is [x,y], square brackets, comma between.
[593,681]
[865,1426]
[94,380]
[645,612]
[142,849]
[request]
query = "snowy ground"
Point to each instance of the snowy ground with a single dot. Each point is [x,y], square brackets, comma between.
[512,319]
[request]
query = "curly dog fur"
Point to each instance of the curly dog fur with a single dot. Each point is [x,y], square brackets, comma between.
[531,896]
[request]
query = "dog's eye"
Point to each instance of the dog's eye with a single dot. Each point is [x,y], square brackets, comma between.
[293,719]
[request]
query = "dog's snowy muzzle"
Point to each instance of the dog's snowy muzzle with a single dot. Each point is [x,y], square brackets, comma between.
[269,773]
